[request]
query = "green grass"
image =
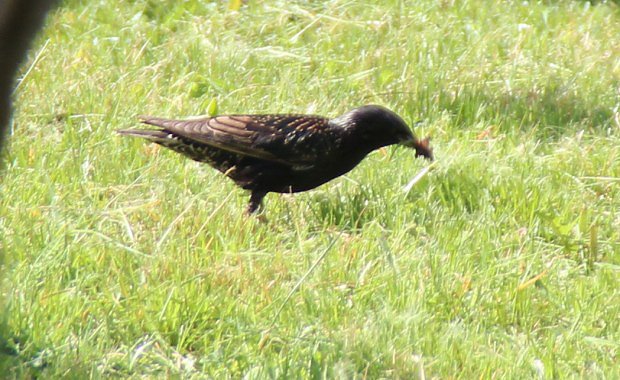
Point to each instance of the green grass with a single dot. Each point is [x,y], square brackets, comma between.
[502,262]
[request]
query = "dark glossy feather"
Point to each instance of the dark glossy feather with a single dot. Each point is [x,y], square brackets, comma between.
[287,139]
[282,153]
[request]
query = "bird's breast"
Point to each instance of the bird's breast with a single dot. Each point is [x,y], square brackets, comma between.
[303,178]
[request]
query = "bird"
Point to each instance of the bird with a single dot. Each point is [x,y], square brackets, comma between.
[282,153]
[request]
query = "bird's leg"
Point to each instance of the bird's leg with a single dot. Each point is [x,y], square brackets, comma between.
[256,201]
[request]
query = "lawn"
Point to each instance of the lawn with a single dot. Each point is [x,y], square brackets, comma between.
[503,260]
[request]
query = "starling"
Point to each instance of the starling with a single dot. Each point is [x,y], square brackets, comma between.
[283,153]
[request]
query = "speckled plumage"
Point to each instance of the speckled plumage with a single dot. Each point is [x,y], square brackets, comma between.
[282,153]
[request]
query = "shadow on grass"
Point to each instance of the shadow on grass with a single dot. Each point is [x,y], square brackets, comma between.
[32,365]
[549,112]
[347,211]
[352,209]
[12,364]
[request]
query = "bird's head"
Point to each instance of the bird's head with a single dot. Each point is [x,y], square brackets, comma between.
[377,126]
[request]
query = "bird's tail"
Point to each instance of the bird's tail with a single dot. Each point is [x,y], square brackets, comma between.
[160,122]
[161,136]
[154,135]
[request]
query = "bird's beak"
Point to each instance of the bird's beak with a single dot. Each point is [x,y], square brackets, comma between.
[422,147]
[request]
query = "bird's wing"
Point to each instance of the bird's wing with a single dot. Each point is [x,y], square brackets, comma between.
[295,140]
